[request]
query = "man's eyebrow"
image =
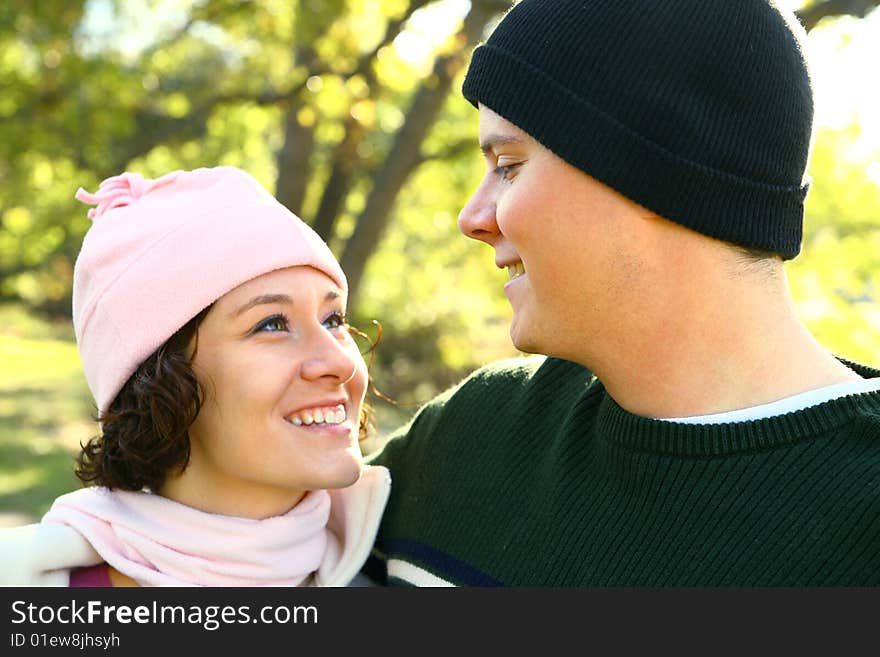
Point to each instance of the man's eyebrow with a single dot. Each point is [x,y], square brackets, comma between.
[492,141]
[261,300]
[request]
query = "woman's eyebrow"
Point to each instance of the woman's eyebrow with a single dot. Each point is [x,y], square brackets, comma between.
[261,300]
[264,299]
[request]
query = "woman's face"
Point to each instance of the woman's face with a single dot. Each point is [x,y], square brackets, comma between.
[284,383]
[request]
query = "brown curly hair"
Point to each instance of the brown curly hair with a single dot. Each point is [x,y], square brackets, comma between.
[145,431]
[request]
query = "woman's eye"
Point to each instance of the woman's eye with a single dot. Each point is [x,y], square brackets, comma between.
[334,320]
[273,324]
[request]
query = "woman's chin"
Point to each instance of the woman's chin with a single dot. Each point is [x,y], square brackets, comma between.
[345,473]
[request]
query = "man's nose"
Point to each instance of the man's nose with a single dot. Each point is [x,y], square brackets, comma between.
[477,218]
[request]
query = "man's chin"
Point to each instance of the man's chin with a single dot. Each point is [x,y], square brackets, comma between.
[522,341]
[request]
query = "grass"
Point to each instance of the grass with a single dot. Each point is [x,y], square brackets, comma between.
[45,409]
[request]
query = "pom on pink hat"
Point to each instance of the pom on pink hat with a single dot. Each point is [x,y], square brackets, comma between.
[160,251]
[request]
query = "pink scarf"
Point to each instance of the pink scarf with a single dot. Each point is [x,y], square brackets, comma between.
[159,542]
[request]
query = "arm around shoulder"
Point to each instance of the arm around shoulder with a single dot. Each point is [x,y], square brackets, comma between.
[42,554]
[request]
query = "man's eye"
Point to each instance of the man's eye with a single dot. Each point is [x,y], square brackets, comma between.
[505,171]
[273,324]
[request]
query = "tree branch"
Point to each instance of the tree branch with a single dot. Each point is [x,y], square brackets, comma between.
[451,151]
[810,15]
[345,159]
[201,14]
[392,29]
[405,150]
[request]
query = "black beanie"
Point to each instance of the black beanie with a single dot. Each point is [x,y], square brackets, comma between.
[699,110]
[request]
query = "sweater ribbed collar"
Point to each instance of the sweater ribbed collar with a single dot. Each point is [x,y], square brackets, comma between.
[618,426]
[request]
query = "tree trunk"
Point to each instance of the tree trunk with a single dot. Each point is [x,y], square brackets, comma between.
[345,156]
[294,160]
[405,152]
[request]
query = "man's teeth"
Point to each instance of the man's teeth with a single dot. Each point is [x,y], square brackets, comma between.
[326,415]
[515,270]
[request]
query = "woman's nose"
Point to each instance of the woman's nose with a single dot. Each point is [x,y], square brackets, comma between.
[332,358]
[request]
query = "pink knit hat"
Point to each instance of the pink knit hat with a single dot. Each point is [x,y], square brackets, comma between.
[160,251]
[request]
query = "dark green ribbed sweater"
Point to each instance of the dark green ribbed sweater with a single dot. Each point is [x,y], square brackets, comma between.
[529,474]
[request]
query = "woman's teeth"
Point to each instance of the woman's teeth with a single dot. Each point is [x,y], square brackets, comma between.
[515,270]
[326,415]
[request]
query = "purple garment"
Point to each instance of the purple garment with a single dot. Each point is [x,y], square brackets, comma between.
[91,576]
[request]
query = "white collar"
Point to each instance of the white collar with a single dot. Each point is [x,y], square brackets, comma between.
[790,404]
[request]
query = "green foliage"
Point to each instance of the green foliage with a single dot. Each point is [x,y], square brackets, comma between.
[836,281]
[45,410]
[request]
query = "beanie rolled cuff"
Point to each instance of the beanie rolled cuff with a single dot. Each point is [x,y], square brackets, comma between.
[716,203]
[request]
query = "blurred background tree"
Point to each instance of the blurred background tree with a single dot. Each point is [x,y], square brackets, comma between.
[350,112]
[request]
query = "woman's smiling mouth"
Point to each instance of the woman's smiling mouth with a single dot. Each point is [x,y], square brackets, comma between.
[318,415]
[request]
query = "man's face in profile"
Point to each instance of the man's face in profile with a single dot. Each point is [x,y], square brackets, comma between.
[569,243]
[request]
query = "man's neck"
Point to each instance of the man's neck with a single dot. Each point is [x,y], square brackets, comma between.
[732,347]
